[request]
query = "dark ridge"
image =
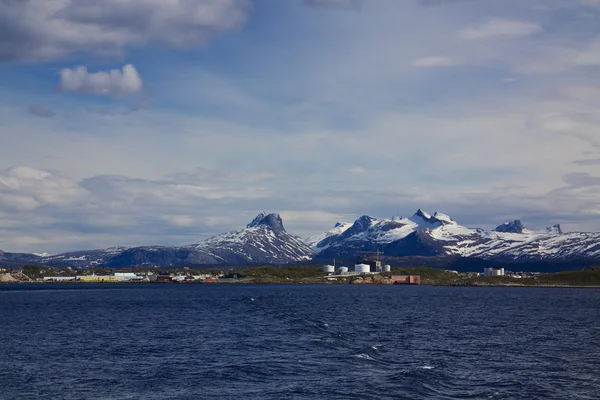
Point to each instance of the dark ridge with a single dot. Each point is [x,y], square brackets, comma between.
[511,227]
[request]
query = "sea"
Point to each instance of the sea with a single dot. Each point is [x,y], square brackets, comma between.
[219,341]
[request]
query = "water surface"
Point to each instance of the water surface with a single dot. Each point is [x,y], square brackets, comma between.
[73,341]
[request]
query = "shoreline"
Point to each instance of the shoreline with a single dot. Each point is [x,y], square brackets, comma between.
[447,284]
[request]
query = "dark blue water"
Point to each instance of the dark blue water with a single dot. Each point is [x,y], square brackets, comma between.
[297,342]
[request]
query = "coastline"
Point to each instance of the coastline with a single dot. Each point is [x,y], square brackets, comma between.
[309,282]
[299,275]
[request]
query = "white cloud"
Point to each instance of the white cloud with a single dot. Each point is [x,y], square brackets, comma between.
[114,83]
[499,27]
[433,62]
[52,29]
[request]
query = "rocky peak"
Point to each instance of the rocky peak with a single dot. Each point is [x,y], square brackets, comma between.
[511,227]
[272,220]
[554,229]
[256,221]
[359,226]
[423,215]
[362,223]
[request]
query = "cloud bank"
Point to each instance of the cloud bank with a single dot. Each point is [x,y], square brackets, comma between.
[54,29]
[485,110]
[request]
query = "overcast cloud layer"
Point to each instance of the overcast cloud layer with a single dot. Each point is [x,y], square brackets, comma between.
[164,122]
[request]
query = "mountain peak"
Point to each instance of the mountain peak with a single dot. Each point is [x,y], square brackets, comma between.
[272,220]
[554,229]
[256,220]
[511,227]
[422,214]
[444,219]
[364,222]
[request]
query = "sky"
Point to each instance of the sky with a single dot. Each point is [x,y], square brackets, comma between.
[138,122]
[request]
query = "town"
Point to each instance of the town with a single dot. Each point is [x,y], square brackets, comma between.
[367,272]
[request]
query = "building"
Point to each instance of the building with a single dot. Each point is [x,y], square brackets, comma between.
[328,269]
[362,268]
[406,279]
[493,271]
[60,278]
[127,276]
[97,278]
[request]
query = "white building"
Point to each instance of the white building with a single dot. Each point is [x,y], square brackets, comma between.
[493,271]
[343,271]
[362,268]
[127,276]
[328,269]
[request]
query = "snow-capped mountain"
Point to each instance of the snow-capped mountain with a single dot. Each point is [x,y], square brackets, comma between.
[439,235]
[263,241]
[338,229]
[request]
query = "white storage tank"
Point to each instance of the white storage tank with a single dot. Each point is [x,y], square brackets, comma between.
[362,268]
[328,269]
[387,268]
[343,270]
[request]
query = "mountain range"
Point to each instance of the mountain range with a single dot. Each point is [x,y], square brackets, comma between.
[437,235]
[427,237]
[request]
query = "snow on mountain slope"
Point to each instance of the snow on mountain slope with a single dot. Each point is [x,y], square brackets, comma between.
[338,229]
[439,235]
[264,240]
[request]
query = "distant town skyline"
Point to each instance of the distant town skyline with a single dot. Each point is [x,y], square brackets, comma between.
[154,122]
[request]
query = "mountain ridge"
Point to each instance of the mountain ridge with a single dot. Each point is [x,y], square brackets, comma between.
[265,241]
[424,234]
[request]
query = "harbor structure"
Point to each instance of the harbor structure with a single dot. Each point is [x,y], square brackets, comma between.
[362,268]
[328,269]
[127,276]
[59,278]
[97,278]
[493,271]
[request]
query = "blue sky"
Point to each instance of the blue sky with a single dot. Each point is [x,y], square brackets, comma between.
[321,110]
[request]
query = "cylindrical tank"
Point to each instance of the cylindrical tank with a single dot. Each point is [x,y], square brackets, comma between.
[343,270]
[387,268]
[328,269]
[361,268]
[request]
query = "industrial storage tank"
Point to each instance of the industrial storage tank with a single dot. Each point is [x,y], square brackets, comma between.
[343,270]
[361,268]
[328,269]
[387,268]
